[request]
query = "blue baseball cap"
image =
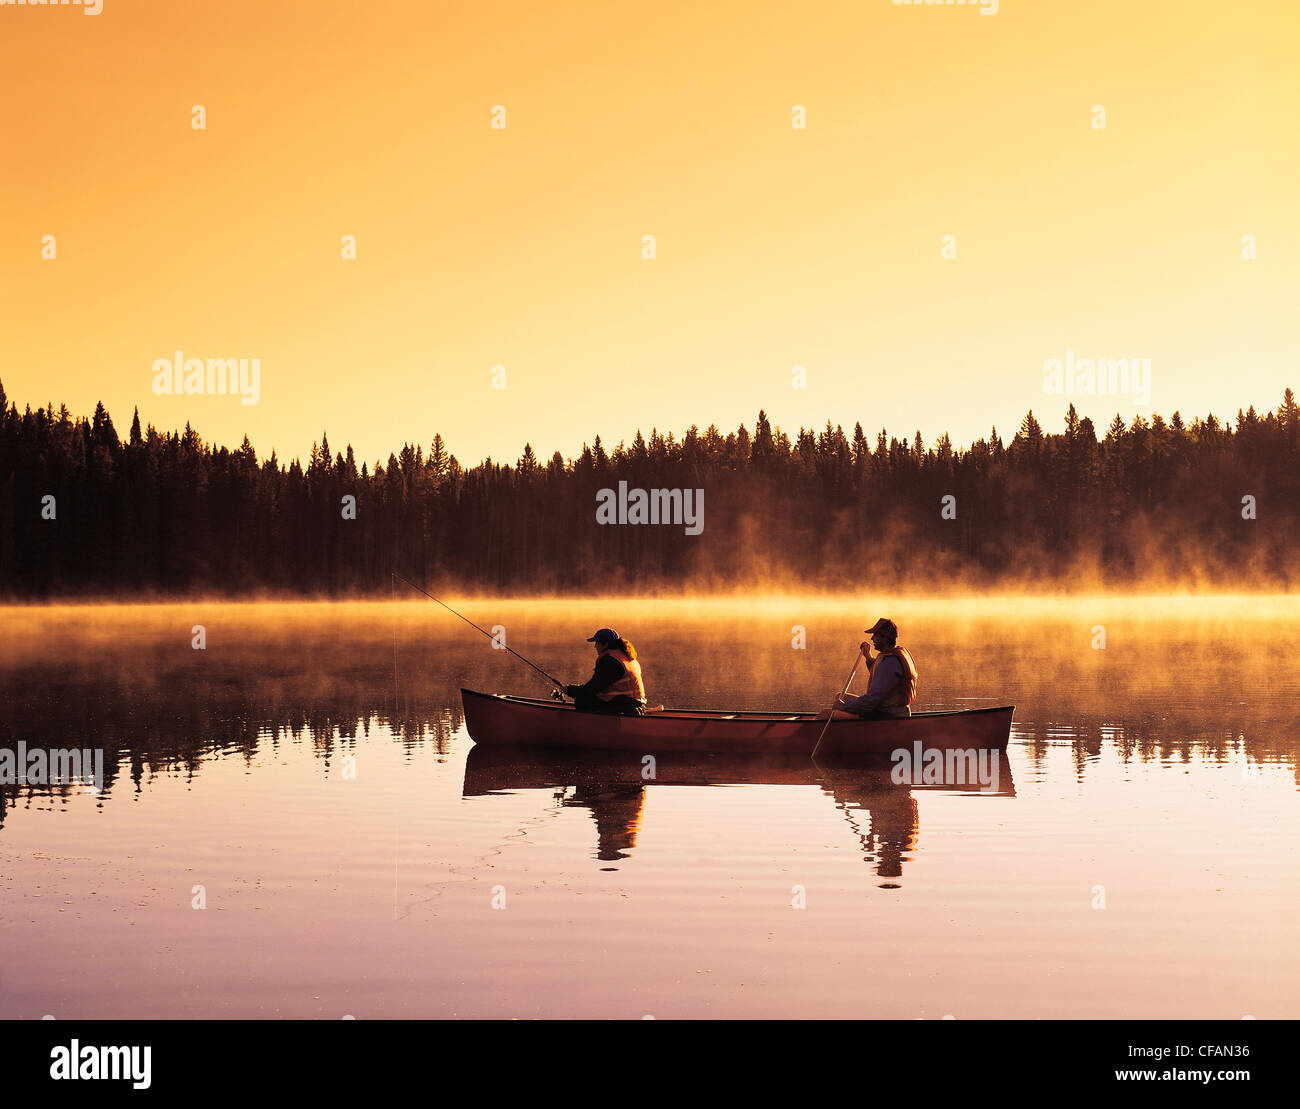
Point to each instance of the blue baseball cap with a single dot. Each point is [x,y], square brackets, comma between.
[605,635]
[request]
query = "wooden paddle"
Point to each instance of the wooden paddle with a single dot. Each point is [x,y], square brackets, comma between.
[852,674]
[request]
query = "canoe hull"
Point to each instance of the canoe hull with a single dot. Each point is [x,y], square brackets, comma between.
[499,720]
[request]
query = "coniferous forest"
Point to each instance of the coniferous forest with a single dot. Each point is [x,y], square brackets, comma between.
[1154,503]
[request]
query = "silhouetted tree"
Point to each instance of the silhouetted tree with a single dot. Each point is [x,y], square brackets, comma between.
[168,512]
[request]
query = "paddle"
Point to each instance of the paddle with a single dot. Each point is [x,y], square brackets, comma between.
[852,674]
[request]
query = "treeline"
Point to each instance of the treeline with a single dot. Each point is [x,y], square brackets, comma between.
[1150,502]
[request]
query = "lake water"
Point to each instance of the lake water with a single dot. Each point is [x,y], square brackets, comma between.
[309,770]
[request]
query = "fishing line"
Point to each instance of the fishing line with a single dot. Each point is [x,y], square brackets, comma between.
[558,684]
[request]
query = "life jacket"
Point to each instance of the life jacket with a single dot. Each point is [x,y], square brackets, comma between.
[630,684]
[903,694]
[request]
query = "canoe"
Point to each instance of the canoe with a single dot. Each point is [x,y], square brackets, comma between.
[496,719]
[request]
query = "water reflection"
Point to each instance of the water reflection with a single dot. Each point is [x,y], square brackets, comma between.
[612,788]
[125,680]
[1150,769]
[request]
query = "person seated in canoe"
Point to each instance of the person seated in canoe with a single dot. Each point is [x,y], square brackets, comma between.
[615,685]
[892,687]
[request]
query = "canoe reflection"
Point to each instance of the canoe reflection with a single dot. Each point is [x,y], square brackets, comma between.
[881,812]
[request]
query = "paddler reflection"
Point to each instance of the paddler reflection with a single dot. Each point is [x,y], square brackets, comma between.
[882,814]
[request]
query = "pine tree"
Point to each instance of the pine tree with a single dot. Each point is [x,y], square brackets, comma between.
[436,463]
[1030,434]
[763,448]
[1288,414]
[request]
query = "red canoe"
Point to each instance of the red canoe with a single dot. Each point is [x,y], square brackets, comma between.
[498,720]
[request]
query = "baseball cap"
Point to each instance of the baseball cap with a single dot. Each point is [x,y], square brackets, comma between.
[605,635]
[885,627]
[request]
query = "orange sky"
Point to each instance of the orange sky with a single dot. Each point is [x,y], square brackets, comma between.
[522,247]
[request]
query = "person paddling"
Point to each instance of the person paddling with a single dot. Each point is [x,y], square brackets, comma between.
[893,679]
[616,685]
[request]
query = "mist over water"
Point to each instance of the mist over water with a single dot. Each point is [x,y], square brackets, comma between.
[1162,769]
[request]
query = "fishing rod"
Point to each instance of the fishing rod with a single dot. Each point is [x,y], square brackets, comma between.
[558,684]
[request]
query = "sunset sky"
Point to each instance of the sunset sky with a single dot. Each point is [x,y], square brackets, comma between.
[523,247]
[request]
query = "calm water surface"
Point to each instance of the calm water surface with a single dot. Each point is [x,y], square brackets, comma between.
[310,771]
